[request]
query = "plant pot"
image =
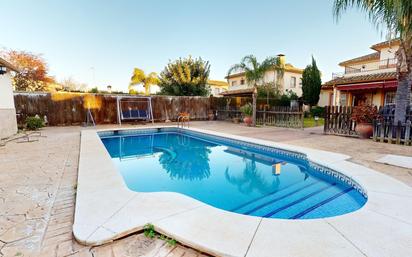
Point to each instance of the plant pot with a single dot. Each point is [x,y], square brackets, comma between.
[211,116]
[248,120]
[364,130]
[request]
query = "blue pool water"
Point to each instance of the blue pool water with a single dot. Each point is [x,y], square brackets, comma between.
[229,175]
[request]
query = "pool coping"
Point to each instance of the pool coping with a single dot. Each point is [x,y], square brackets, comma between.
[107,210]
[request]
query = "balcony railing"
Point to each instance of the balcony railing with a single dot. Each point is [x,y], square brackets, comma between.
[383,64]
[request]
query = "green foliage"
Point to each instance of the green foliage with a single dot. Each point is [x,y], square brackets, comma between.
[311,84]
[94,90]
[185,77]
[149,230]
[139,77]
[247,109]
[34,123]
[255,71]
[317,111]
[395,15]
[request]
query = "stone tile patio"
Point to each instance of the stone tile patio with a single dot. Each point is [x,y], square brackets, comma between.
[38,186]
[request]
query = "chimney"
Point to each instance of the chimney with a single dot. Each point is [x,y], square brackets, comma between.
[282,59]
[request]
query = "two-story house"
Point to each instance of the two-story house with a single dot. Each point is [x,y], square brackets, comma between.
[291,80]
[366,80]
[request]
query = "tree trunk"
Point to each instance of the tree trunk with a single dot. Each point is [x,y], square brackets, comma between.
[404,74]
[254,108]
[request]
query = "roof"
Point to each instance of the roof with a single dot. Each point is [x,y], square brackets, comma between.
[360,78]
[395,41]
[239,92]
[217,83]
[288,68]
[8,65]
[368,57]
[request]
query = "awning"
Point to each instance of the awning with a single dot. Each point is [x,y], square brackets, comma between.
[369,85]
[239,92]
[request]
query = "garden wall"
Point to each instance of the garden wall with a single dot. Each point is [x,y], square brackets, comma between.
[71,108]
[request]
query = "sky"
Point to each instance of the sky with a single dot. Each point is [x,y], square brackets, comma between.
[99,42]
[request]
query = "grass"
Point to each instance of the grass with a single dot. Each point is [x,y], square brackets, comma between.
[310,122]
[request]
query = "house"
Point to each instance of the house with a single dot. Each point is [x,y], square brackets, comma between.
[217,87]
[291,80]
[366,80]
[8,122]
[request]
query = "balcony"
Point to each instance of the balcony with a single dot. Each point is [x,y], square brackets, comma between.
[380,66]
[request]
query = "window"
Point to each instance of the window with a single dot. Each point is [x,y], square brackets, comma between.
[242,81]
[343,100]
[390,97]
[292,82]
[234,83]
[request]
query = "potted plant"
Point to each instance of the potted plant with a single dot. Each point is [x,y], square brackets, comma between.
[247,111]
[364,116]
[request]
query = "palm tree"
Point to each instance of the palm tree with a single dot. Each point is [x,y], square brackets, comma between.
[139,77]
[255,72]
[396,16]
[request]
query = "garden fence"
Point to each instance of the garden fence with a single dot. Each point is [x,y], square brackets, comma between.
[71,108]
[338,121]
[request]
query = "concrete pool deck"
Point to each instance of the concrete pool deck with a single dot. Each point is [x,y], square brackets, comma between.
[107,210]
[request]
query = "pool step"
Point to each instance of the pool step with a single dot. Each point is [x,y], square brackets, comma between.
[279,193]
[307,203]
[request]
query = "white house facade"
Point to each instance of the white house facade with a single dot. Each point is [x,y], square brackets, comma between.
[290,81]
[8,122]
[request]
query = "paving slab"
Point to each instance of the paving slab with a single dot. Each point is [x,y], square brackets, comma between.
[396,160]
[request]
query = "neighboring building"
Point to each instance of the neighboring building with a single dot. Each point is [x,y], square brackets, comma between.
[292,80]
[217,87]
[369,79]
[8,122]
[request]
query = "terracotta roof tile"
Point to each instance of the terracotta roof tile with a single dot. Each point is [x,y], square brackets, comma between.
[372,56]
[238,92]
[360,78]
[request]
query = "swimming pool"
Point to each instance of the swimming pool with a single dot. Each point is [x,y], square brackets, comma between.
[230,174]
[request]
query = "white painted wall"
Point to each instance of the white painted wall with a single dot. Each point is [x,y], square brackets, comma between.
[8,123]
[270,76]
[6,92]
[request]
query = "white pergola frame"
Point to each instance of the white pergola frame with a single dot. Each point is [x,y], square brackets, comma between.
[148,99]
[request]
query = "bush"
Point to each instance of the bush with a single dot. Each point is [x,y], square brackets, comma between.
[317,111]
[247,109]
[34,123]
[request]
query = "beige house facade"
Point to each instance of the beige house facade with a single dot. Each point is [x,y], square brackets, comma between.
[366,80]
[291,79]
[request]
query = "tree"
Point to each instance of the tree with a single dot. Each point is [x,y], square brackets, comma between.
[311,84]
[32,75]
[255,72]
[185,76]
[396,17]
[139,77]
[69,84]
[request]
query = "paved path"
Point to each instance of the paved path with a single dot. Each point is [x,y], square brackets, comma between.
[38,185]
[37,198]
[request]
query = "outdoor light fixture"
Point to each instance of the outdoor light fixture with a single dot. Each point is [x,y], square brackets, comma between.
[3,70]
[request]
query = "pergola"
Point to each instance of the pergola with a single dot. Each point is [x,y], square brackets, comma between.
[245,92]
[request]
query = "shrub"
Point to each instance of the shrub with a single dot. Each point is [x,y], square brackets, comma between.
[247,109]
[365,114]
[34,123]
[317,111]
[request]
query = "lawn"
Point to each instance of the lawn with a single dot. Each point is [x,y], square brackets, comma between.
[310,122]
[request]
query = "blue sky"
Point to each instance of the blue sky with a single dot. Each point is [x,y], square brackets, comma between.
[102,41]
